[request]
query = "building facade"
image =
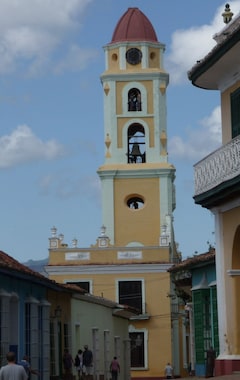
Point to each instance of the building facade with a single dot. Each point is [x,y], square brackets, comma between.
[25,314]
[129,262]
[195,285]
[40,318]
[217,183]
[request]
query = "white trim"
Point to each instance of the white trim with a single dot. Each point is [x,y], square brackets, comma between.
[107,269]
[135,120]
[143,92]
[226,206]
[228,357]
[132,329]
[123,255]
[221,286]
[233,272]
[77,256]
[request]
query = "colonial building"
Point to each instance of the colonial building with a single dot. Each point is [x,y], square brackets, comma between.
[195,285]
[25,314]
[217,183]
[129,262]
[40,318]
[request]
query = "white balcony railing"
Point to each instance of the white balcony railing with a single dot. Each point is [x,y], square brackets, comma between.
[220,166]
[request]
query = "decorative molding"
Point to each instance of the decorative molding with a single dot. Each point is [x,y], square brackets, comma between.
[77,256]
[122,255]
[107,269]
[220,166]
[233,272]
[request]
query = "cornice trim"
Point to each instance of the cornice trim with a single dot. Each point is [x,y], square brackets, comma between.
[107,269]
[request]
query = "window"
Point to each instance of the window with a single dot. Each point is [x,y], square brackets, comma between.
[137,349]
[134,100]
[136,144]
[235,112]
[82,284]
[135,202]
[130,293]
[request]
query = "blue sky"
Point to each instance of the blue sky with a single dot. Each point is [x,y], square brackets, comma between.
[51,112]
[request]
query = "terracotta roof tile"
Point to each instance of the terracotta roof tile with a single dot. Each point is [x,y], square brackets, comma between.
[134,26]
[192,261]
[9,264]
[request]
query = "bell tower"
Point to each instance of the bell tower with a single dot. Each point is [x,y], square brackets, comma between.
[130,261]
[138,195]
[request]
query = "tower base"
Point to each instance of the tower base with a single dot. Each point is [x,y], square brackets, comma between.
[227,365]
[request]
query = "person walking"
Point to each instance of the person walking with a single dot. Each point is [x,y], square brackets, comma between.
[67,365]
[12,371]
[114,368]
[25,362]
[168,371]
[78,362]
[211,356]
[87,363]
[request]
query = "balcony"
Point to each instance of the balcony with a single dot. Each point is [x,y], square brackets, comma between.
[217,176]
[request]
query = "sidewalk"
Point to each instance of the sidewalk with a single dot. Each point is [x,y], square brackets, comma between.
[235,376]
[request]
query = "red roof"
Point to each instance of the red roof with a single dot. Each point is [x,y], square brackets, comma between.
[12,267]
[134,26]
[9,262]
[195,260]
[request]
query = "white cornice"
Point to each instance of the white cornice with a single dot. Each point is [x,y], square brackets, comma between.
[136,173]
[127,76]
[107,269]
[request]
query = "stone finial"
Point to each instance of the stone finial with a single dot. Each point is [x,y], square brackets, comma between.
[227,14]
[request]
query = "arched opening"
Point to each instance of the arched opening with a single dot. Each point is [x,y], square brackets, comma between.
[136,144]
[135,202]
[134,100]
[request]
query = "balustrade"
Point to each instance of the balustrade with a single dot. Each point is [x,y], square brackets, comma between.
[220,166]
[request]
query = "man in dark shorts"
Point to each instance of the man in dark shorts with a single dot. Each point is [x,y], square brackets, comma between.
[87,363]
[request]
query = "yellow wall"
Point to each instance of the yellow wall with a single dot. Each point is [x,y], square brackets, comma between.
[158,325]
[226,113]
[143,225]
[231,239]
[103,256]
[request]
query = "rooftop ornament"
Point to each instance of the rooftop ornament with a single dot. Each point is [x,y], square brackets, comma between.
[227,14]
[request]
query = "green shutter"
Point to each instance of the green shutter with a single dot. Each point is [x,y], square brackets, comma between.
[202,323]
[215,319]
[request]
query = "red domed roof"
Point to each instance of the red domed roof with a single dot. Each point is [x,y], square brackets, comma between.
[134,26]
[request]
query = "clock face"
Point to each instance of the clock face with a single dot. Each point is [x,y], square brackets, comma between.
[134,56]
[103,242]
[53,243]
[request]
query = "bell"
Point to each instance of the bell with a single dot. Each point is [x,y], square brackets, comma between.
[136,150]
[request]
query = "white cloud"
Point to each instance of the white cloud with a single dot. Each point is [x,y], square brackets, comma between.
[76,59]
[32,30]
[23,146]
[65,186]
[190,45]
[198,142]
